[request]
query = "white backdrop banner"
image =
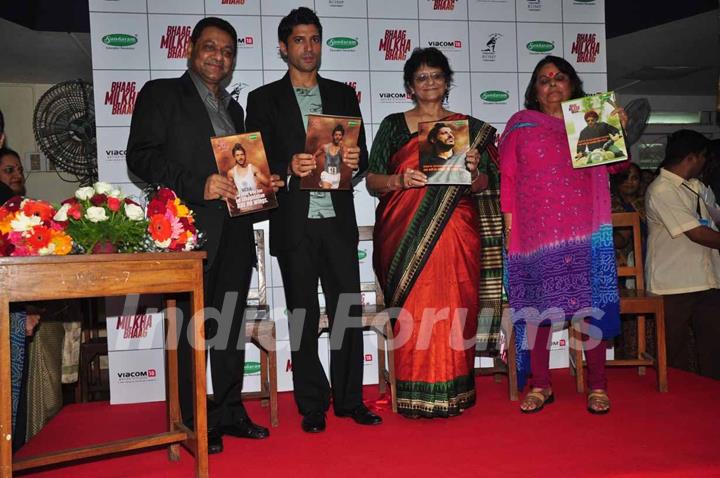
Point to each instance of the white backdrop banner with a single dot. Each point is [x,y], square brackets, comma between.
[493,46]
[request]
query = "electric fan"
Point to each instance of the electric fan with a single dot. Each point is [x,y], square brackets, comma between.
[64,126]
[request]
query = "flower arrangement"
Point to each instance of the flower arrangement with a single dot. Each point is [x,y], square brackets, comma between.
[171,224]
[100,219]
[28,228]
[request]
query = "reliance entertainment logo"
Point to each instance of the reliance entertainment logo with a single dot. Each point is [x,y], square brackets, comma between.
[121,96]
[176,41]
[396,45]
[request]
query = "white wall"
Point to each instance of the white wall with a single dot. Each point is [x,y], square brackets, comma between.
[17,102]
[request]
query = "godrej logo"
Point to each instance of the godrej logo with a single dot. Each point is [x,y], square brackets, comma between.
[494,96]
[541,46]
[119,39]
[342,43]
[252,368]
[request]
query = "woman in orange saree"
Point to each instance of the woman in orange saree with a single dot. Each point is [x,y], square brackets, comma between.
[427,250]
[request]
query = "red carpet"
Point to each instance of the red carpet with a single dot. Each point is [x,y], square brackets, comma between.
[647,434]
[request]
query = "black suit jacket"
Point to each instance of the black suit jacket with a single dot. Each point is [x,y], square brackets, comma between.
[273,110]
[169,144]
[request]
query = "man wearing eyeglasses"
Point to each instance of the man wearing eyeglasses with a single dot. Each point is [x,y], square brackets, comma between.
[683,263]
[169,144]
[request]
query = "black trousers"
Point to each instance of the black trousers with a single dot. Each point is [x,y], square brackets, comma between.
[226,284]
[326,254]
[699,312]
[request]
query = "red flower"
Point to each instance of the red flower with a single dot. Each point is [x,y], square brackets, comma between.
[40,237]
[6,247]
[165,194]
[98,200]
[75,211]
[39,208]
[113,204]
[155,207]
[160,228]
[72,201]
[13,204]
[187,225]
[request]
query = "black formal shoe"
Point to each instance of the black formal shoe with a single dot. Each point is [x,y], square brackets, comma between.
[215,443]
[362,416]
[246,429]
[313,422]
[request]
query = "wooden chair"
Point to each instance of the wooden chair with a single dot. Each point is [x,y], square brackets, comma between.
[500,367]
[374,318]
[260,331]
[639,302]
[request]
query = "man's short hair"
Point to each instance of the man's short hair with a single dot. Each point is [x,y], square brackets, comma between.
[683,143]
[591,114]
[216,22]
[432,135]
[338,127]
[298,16]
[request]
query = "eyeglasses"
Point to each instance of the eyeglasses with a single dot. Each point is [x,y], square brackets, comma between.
[559,78]
[425,77]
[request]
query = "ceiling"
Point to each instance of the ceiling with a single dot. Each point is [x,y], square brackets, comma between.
[647,41]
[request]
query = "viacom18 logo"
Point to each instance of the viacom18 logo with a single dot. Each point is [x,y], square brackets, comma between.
[446,45]
[121,96]
[443,4]
[134,326]
[137,376]
[353,85]
[176,41]
[396,44]
[245,42]
[586,47]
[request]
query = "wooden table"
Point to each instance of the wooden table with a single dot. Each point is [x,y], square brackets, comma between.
[72,277]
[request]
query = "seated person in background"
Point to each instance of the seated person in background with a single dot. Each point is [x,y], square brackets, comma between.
[683,263]
[626,197]
[12,180]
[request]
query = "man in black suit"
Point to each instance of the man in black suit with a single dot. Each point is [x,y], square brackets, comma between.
[170,144]
[314,234]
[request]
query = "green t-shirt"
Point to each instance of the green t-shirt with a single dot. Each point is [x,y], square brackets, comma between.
[310,102]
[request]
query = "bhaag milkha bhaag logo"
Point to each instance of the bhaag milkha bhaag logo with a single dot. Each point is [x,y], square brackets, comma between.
[122,96]
[586,47]
[176,41]
[353,85]
[443,4]
[396,45]
[134,326]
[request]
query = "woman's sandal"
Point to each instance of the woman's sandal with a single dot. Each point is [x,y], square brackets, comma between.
[598,402]
[539,399]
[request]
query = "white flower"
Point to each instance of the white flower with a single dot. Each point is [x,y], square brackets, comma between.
[23,223]
[96,214]
[115,193]
[85,193]
[48,250]
[102,187]
[61,215]
[163,244]
[134,212]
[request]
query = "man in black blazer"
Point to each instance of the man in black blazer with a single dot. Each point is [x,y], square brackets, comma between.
[170,144]
[314,235]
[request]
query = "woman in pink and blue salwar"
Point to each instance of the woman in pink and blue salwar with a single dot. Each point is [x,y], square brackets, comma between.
[560,256]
